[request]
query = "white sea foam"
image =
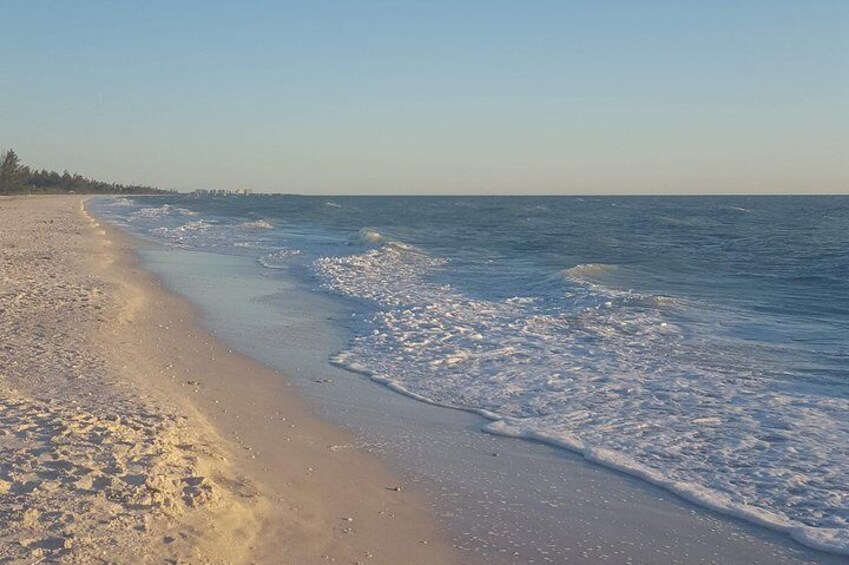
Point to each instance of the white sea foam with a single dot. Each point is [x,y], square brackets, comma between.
[588,271]
[628,380]
[257,225]
[367,235]
[155,212]
[120,201]
[613,376]
[169,223]
[278,259]
[151,212]
[183,231]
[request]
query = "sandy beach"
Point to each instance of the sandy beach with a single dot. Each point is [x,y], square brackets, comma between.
[129,435]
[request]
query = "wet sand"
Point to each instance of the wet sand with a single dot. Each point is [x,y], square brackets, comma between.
[502,500]
[129,434]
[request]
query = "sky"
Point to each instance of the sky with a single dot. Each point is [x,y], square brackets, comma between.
[433,97]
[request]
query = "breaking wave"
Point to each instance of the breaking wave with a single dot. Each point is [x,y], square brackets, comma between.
[608,374]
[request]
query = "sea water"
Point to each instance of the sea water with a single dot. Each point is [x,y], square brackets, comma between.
[696,343]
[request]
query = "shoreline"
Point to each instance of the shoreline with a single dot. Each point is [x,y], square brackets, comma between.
[498,425]
[274,456]
[289,452]
[262,481]
[488,504]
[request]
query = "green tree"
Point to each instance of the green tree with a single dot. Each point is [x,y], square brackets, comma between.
[10,168]
[16,177]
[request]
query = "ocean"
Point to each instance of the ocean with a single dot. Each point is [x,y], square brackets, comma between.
[697,343]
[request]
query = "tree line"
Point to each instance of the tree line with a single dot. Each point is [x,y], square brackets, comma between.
[17,178]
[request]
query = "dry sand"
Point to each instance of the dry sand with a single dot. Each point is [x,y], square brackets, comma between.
[129,435]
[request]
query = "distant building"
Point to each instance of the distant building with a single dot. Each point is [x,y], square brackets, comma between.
[221,192]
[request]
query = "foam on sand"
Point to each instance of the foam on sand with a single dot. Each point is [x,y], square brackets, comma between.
[685,391]
[286,457]
[279,259]
[612,375]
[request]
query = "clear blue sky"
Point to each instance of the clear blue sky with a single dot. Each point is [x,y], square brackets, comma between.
[433,96]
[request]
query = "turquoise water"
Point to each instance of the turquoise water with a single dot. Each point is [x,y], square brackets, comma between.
[697,343]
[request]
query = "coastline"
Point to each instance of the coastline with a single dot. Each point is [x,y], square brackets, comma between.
[578,508]
[255,477]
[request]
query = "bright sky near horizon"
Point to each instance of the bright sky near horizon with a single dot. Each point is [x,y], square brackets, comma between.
[438,96]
